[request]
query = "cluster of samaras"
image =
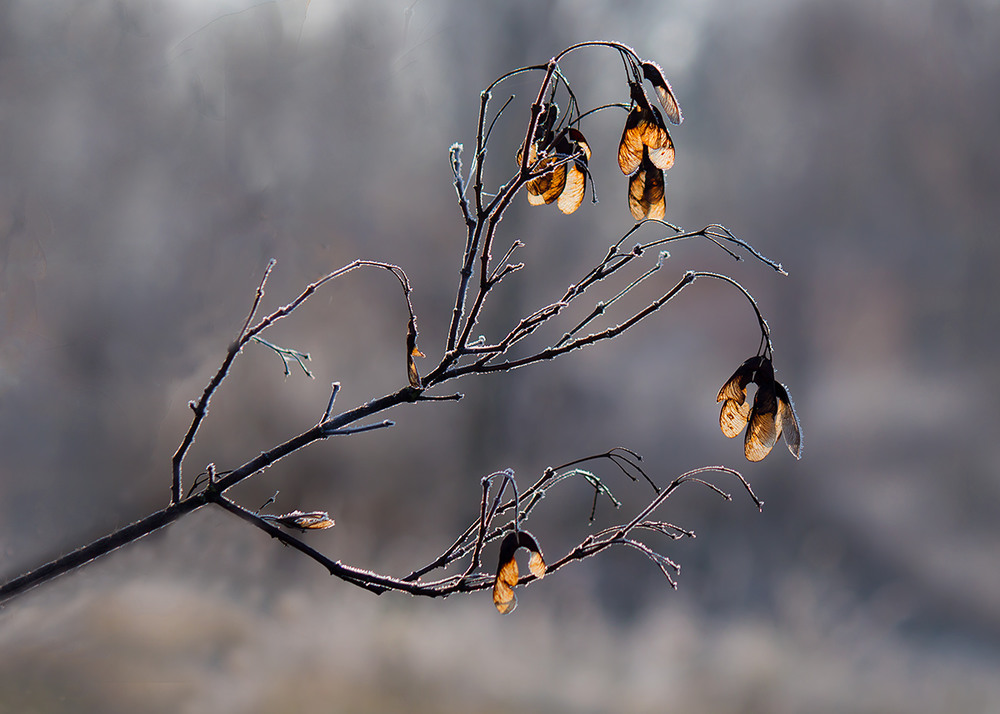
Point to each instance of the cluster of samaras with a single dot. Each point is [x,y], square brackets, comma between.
[771,416]
[558,155]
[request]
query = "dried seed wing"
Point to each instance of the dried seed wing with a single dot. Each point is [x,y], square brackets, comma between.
[790,428]
[637,194]
[654,131]
[656,197]
[736,386]
[504,598]
[303,521]
[412,375]
[734,416]
[735,389]
[536,564]
[654,74]
[646,198]
[663,155]
[576,188]
[556,183]
[547,187]
[536,189]
[507,575]
[764,426]
[761,435]
[314,520]
[630,146]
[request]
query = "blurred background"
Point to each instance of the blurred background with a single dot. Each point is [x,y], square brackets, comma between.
[154,155]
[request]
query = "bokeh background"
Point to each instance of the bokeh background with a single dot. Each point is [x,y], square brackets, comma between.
[154,155]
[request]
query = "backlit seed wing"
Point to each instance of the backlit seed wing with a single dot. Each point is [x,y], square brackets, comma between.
[535,195]
[316,520]
[734,416]
[654,131]
[536,564]
[637,194]
[507,575]
[663,155]
[654,75]
[655,194]
[412,375]
[303,521]
[536,188]
[547,187]
[762,433]
[789,420]
[646,197]
[764,425]
[557,182]
[576,188]
[736,386]
[630,146]
[503,592]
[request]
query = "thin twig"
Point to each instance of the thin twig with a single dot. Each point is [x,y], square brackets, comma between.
[334,389]
[200,408]
[258,296]
[345,430]
[286,353]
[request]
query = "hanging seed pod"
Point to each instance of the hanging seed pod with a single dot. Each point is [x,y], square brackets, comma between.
[646,197]
[654,75]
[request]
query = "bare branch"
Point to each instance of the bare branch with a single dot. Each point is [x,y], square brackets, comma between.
[345,430]
[334,389]
[455,154]
[200,407]
[99,547]
[258,296]
[551,143]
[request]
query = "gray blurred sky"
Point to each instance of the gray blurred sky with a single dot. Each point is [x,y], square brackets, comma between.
[154,156]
